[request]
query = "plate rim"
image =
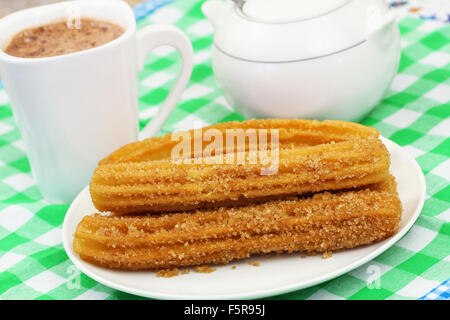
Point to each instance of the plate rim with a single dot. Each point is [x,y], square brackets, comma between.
[261,293]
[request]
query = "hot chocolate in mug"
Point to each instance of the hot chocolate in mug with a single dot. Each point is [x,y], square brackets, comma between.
[72,110]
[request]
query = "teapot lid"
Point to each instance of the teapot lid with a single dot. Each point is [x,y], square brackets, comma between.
[293,30]
[274,11]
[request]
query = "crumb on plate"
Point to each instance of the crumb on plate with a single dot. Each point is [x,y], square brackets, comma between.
[167,273]
[204,269]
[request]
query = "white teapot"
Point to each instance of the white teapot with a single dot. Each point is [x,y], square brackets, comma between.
[327,59]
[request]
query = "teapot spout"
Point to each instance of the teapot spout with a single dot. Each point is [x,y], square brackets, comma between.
[216,11]
[380,29]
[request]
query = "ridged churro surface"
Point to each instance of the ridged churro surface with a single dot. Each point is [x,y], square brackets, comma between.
[165,185]
[320,223]
[292,133]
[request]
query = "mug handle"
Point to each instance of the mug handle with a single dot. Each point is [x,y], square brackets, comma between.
[155,36]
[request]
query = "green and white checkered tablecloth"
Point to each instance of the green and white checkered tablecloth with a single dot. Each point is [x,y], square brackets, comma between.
[415,114]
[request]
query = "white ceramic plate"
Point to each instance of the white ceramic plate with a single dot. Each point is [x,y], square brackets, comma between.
[279,274]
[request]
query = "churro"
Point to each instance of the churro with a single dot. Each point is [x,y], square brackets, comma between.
[163,185]
[292,133]
[322,222]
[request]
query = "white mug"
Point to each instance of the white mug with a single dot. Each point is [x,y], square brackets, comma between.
[74,109]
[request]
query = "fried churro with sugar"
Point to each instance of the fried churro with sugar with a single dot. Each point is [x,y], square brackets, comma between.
[292,133]
[165,185]
[319,223]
